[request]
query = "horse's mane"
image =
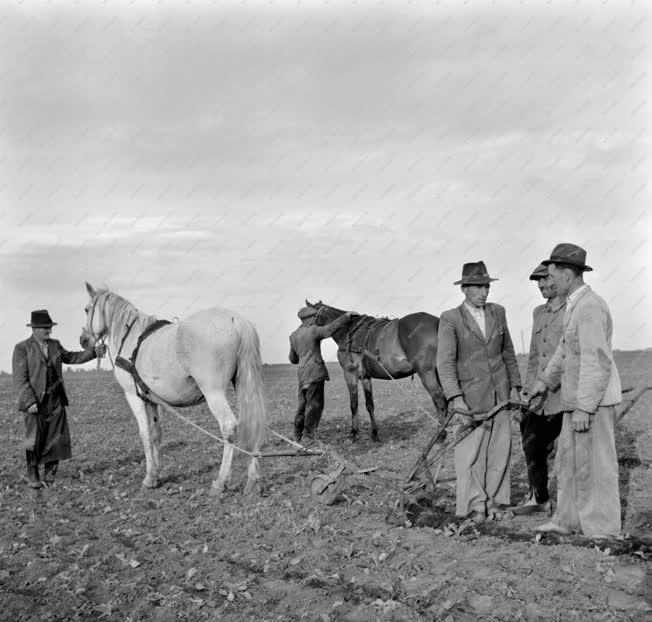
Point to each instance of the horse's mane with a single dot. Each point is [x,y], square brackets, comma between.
[119,312]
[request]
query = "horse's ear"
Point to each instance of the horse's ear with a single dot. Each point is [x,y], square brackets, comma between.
[89,289]
[308,304]
[320,303]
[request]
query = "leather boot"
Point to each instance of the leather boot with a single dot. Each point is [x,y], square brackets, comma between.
[50,472]
[33,479]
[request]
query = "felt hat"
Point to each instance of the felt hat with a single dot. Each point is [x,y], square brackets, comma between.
[41,319]
[567,254]
[474,273]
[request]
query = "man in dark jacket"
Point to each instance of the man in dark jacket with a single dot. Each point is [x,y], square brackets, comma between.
[539,432]
[305,351]
[477,368]
[41,396]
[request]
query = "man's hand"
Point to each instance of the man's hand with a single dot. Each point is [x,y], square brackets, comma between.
[100,350]
[581,421]
[459,403]
[514,395]
[539,388]
[33,409]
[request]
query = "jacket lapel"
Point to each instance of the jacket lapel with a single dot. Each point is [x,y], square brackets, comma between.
[490,322]
[37,347]
[471,324]
[570,308]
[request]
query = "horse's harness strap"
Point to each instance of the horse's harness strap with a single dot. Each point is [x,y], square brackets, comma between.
[369,323]
[142,390]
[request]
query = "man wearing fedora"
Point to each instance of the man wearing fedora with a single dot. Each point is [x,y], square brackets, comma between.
[583,365]
[477,369]
[305,351]
[539,432]
[38,382]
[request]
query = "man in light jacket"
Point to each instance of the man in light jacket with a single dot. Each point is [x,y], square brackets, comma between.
[583,365]
[477,368]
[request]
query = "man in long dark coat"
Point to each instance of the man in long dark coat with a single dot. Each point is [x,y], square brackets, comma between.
[305,351]
[41,396]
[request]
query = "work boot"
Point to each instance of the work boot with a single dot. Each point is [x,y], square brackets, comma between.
[531,507]
[33,479]
[50,472]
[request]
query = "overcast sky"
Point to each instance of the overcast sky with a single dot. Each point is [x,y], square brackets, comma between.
[254,154]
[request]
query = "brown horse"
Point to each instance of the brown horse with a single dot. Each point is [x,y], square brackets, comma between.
[380,348]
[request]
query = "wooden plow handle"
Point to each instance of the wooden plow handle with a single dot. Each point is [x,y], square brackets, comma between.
[423,457]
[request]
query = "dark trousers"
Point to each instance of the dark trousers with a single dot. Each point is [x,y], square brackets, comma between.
[539,433]
[309,408]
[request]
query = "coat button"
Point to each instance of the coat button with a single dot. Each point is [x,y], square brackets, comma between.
[544,340]
[544,355]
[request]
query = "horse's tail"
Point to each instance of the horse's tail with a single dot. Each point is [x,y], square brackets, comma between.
[250,388]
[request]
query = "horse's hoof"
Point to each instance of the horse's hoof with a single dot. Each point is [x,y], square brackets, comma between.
[253,488]
[353,434]
[218,489]
[374,436]
[149,483]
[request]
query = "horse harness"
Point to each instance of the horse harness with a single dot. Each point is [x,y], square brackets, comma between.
[129,365]
[358,336]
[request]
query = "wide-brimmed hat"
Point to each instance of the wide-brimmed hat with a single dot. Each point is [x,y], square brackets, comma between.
[568,255]
[306,312]
[41,319]
[474,273]
[540,272]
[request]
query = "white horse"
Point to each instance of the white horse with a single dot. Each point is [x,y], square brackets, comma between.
[185,363]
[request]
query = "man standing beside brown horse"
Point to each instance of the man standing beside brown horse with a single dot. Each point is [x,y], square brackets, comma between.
[380,348]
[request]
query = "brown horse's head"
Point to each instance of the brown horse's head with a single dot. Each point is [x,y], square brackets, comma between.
[325,313]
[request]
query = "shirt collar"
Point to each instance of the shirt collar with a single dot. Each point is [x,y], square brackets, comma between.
[576,293]
[473,310]
[556,304]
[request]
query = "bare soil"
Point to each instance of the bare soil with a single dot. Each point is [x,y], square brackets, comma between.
[95,546]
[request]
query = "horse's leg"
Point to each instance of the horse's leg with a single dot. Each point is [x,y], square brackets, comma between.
[351,379]
[140,411]
[429,379]
[221,410]
[369,402]
[155,435]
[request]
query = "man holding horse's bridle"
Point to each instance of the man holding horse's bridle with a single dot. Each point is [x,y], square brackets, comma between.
[305,351]
[38,382]
[477,368]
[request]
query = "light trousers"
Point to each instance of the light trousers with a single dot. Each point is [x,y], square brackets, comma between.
[587,476]
[482,463]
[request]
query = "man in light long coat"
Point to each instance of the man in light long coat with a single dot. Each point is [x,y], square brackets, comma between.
[477,368]
[587,465]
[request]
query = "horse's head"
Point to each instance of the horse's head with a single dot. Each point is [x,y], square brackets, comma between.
[96,324]
[325,313]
